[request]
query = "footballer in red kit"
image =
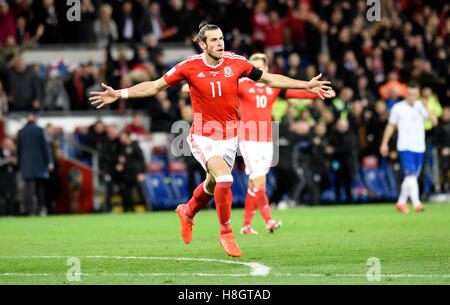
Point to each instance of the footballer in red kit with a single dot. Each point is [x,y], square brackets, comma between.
[214,92]
[255,139]
[213,79]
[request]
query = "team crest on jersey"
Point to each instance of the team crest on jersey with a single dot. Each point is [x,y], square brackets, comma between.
[251,90]
[228,72]
[269,90]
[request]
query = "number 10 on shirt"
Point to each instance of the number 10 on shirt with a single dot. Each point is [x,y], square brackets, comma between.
[219,89]
[261,101]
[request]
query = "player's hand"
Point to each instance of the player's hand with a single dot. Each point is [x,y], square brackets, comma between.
[40,30]
[329,93]
[445,151]
[318,87]
[140,177]
[384,150]
[106,97]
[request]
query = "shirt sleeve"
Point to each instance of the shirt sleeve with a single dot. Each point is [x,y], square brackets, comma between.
[248,70]
[176,74]
[423,111]
[394,116]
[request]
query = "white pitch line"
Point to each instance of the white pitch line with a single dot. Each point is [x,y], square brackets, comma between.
[24,274]
[234,275]
[257,269]
[362,275]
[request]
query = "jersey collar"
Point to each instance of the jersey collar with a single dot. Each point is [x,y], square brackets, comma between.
[204,61]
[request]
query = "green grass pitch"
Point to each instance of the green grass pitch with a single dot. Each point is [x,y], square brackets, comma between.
[316,245]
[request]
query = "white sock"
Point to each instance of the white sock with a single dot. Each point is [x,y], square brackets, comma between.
[403,198]
[414,190]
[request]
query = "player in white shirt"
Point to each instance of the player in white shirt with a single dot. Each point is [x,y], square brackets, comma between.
[408,117]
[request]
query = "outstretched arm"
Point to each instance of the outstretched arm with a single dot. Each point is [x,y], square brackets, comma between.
[303,94]
[284,82]
[144,89]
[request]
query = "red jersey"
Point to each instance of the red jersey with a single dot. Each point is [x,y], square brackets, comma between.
[138,130]
[214,92]
[275,34]
[256,102]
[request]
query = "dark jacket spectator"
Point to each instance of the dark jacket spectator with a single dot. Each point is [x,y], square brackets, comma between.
[153,23]
[53,186]
[163,113]
[94,140]
[127,23]
[442,142]
[8,175]
[341,148]
[131,169]
[116,69]
[50,13]
[109,157]
[179,17]
[76,84]
[35,161]
[131,154]
[110,152]
[286,177]
[82,32]
[24,87]
[33,152]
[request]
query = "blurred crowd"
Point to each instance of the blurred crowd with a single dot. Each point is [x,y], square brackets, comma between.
[368,62]
[30,182]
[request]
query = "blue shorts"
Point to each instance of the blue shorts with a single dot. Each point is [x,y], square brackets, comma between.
[411,162]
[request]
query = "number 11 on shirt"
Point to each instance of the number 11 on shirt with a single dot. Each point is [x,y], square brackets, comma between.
[218,88]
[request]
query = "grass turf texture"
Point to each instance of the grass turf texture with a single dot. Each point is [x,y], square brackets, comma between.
[318,245]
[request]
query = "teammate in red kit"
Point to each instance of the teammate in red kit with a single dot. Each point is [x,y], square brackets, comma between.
[255,139]
[213,79]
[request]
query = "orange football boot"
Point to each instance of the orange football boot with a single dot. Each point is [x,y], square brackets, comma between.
[419,208]
[248,230]
[402,208]
[273,225]
[229,245]
[186,223]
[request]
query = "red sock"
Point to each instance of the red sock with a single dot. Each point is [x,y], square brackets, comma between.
[263,204]
[199,200]
[224,200]
[250,207]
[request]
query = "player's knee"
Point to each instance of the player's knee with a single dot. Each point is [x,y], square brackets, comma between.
[258,182]
[251,184]
[217,167]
